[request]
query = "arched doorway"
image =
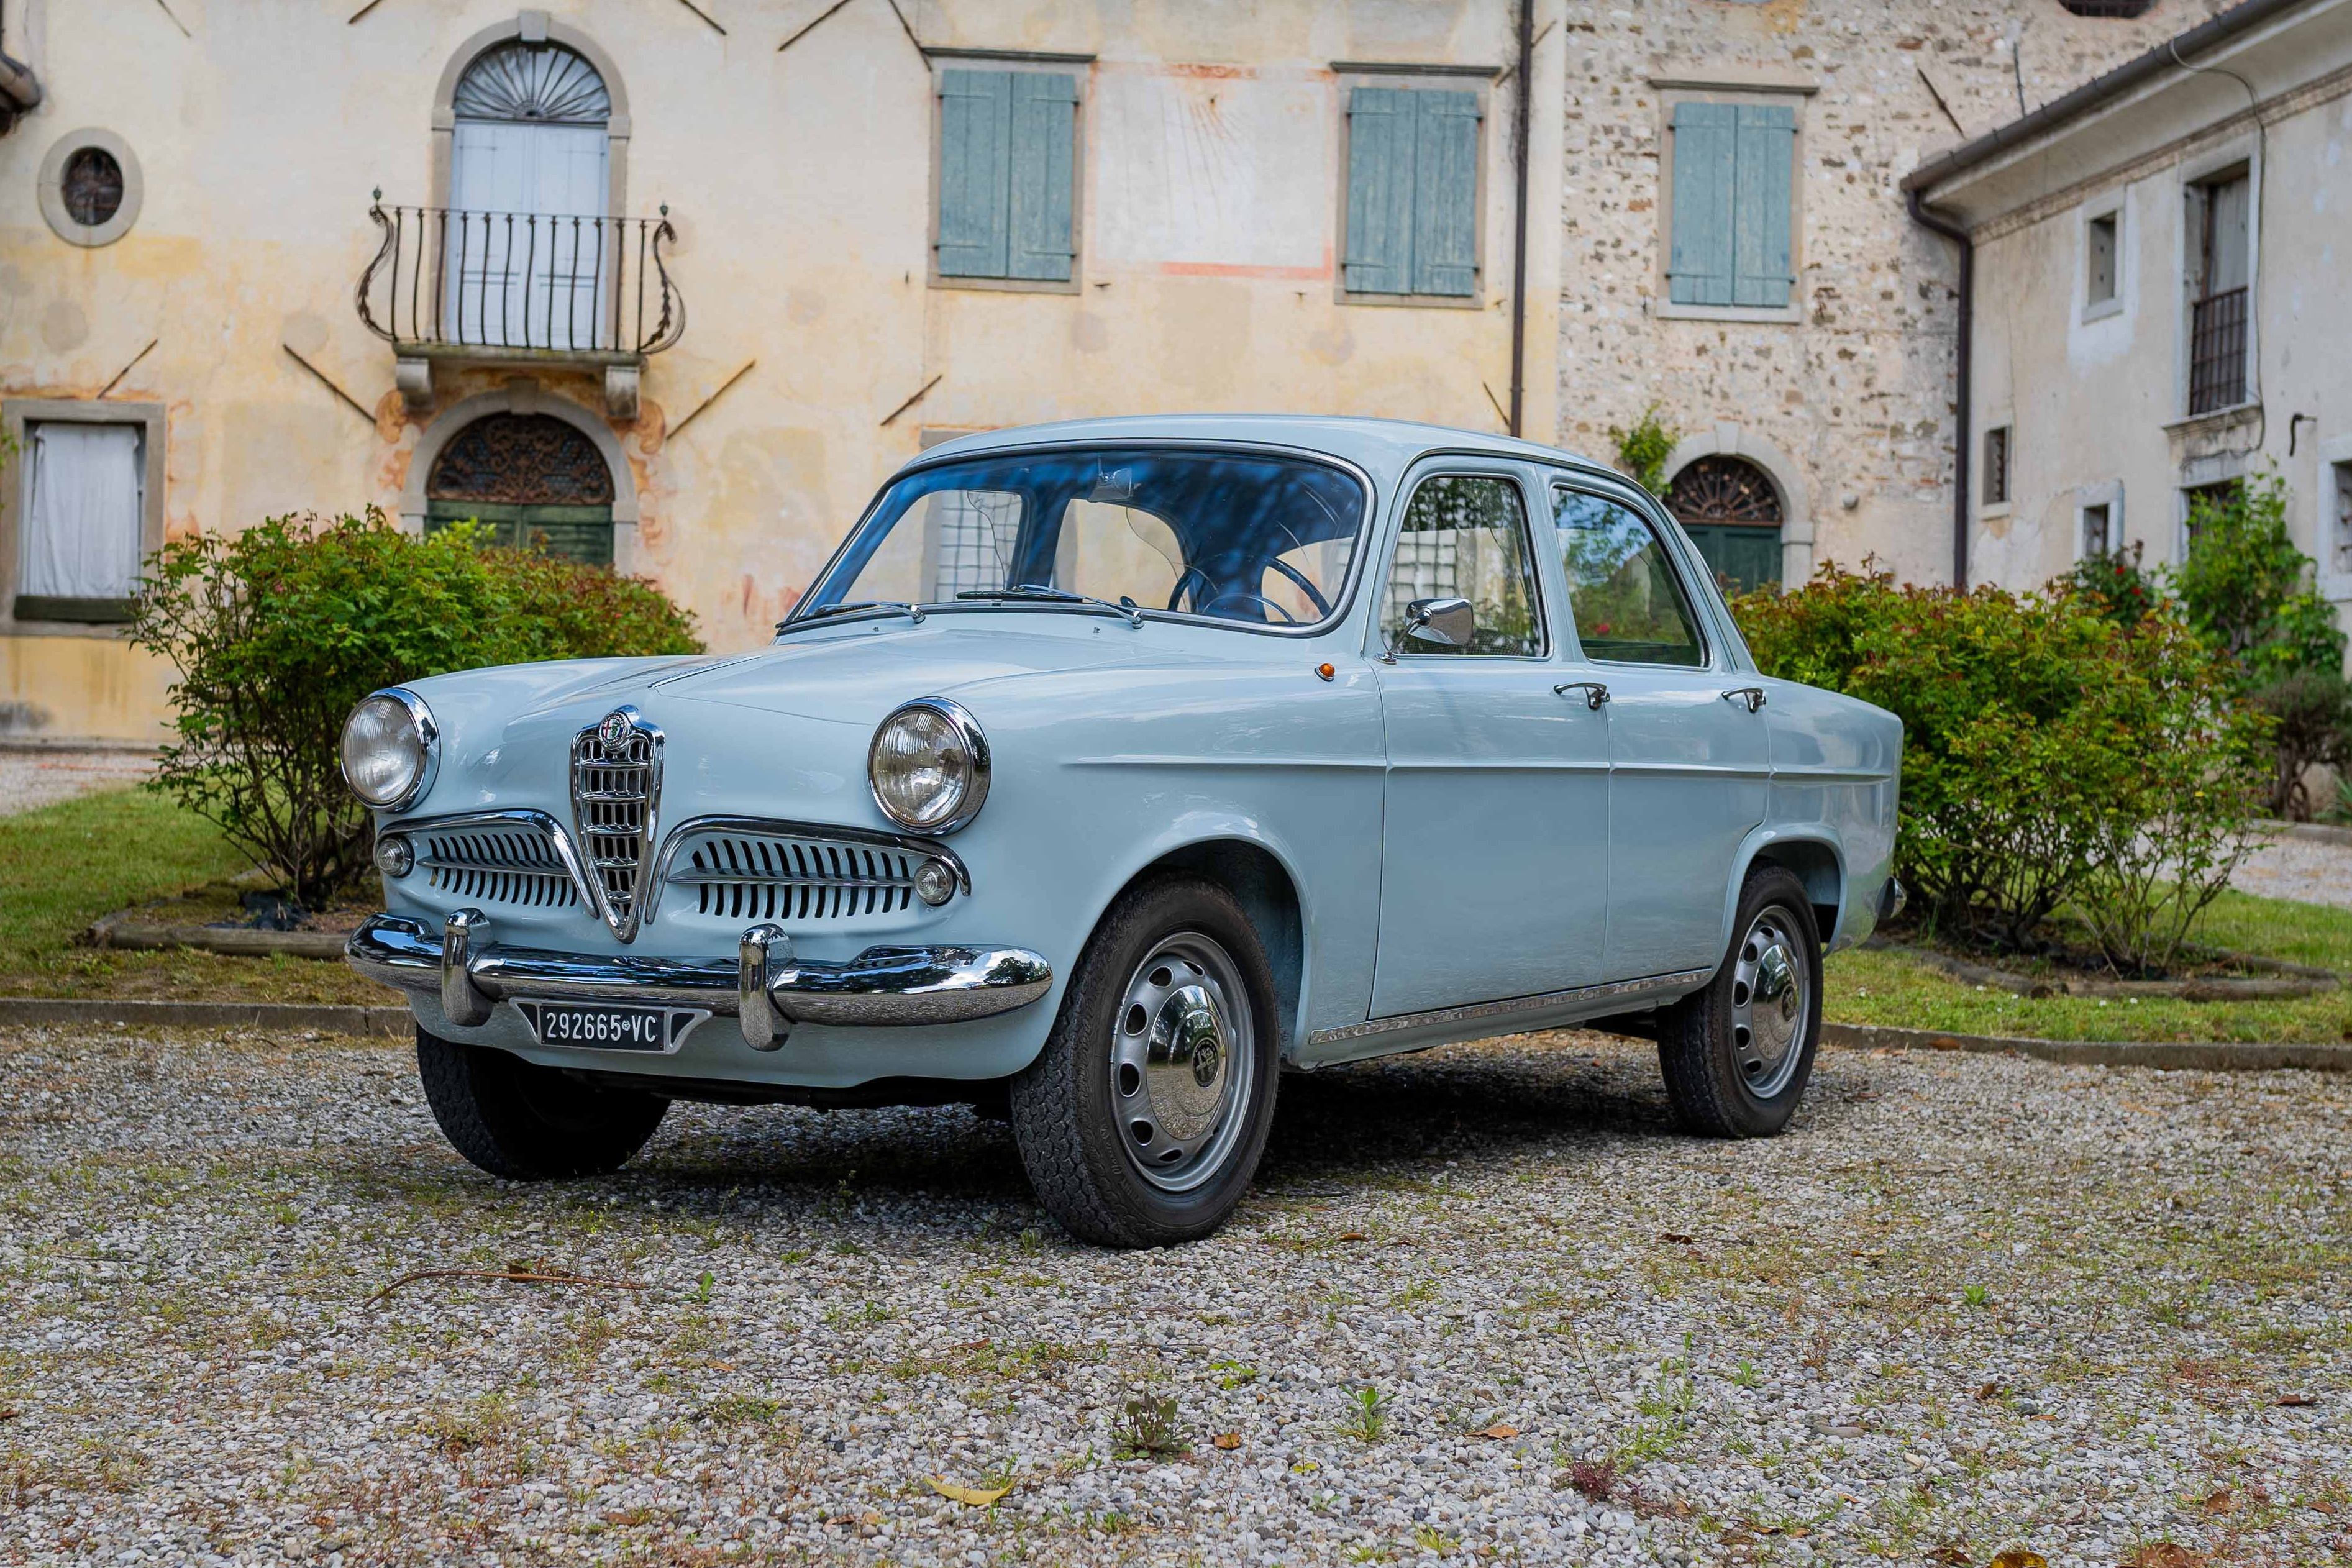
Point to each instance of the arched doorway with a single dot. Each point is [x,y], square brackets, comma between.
[530,184]
[534,479]
[1732,511]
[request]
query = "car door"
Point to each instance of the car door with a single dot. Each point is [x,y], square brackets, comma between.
[1491,873]
[1689,758]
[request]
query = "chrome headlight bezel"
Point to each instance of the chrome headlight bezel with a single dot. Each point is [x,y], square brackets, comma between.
[426,738]
[974,745]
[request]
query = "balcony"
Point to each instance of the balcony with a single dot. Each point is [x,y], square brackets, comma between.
[2217,351]
[452,286]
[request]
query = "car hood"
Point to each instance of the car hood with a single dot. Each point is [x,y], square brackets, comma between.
[859,672]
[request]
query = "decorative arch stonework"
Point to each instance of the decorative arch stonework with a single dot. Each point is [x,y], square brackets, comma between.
[534,28]
[523,395]
[1731,440]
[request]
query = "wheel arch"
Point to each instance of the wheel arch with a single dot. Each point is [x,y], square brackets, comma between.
[1814,856]
[1267,890]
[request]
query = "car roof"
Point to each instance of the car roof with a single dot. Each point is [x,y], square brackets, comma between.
[1383,448]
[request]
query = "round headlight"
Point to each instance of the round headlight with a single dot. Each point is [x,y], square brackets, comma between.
[928,766]
[388,749]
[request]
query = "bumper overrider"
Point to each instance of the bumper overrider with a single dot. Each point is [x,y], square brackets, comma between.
[764,985]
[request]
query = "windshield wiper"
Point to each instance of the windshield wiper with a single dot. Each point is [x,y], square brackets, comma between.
[914,612]
[1125,608]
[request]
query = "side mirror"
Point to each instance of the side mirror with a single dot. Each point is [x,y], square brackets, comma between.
[1448,623]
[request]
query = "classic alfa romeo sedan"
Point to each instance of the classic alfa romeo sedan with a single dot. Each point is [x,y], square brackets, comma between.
[1111,770]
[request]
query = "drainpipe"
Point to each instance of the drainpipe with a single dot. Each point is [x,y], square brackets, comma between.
[1960,236]
[1520,121]
[20,92]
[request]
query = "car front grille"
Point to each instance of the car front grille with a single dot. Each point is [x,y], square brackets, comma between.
[496,864]
[616,792]
[745,876]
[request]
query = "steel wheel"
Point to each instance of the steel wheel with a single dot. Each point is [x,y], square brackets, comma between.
[1182,1058]
[1768,1001]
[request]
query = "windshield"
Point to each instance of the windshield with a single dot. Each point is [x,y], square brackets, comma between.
[1257,539]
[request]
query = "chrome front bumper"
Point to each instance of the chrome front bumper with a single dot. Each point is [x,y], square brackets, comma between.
[763,985]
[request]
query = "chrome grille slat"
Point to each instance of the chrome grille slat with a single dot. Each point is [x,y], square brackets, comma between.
[752,876]
[615,793]
[496,866]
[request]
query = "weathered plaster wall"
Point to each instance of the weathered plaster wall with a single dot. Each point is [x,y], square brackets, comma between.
[1858,396]
[2098,400]
[799,183]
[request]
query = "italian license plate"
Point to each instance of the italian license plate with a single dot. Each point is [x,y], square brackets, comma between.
[609,1026]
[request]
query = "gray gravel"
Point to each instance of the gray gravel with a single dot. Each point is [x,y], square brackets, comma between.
[2309,870]
[1967,1303]
[33,777]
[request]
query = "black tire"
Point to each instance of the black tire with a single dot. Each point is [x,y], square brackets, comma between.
[1713,1075]
[1074,1126]
[526,1123]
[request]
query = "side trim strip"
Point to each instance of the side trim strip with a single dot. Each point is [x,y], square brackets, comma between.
[1547,1000]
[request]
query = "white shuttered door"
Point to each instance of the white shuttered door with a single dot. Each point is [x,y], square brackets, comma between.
[525,240]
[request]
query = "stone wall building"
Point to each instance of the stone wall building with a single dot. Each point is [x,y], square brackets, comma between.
[2162,266]
[677,284]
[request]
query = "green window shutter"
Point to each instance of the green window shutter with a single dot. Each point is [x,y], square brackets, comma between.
[975,172]
[1381,137]
[1767,136]
[1698,269]
[1044,123]
[1445,193]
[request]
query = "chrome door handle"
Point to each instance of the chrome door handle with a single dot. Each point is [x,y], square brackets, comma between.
[1753,696]
[1595,694]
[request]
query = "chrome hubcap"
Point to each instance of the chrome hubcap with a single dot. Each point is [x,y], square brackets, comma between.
[1181,1061]
[1768,1002]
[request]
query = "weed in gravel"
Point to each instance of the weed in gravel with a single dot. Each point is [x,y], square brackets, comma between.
[480,1422]
[1366,1420]
[1233,1374]
[1666,1409]
[1596,1478]
[1148,1429]
[1431,1539]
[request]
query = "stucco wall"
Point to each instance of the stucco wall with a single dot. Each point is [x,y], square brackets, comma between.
[799,183]
[2098,402]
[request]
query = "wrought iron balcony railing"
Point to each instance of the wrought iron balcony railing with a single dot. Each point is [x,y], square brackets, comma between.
[448,279]
[2217,351]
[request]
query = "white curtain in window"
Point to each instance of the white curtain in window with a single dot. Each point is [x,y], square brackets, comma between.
[81,529]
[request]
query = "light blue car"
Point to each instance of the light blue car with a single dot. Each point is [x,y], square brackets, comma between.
[1110,770]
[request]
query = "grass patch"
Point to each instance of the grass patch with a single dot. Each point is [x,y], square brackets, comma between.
[64,866]
[1874,986]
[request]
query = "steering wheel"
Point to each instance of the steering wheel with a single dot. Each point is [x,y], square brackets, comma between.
[1186,575]
[1244,597]
[1322,605]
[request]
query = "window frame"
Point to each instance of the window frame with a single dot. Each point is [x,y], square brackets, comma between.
[1081,67]
[2109,210]
[1478,80]
[2089,498]
[50,189]
[1792,96]
[1677,570]
[2332,531]
[17,494]
[2005,429]
[2239,155]
[1505,473]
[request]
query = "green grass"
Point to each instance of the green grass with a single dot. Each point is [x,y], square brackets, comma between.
[64,866]
[1871,986]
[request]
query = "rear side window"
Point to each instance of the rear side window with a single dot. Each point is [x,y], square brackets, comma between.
[1628,607]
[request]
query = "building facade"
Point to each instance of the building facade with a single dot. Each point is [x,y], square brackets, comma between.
[2160,265]
[675,284]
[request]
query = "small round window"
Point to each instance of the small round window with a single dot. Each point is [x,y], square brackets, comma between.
[93,186]
[90,188]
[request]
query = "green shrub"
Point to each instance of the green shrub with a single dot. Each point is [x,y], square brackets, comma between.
[2247,591]
[1642,451]
[2050,753]
[276,633]
[2118,583]
[2311,709]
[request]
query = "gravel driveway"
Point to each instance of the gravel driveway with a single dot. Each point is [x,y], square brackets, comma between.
[2313,870]
[40,775]
[1967,1303]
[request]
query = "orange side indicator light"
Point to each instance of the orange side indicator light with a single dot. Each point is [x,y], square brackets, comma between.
[1327,670]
